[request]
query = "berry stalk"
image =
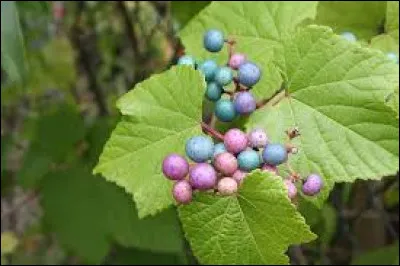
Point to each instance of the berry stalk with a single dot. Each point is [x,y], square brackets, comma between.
[212,131]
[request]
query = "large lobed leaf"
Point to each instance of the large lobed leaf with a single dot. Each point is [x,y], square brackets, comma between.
[254,227]
[336,98]
[160,114]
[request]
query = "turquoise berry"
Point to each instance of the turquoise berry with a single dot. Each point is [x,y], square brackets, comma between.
[274,154]
[225,110]
[213,40]
[349,36]
[213,92]
[187,60]
[208,68]
[248,160]
[199,148]
[224,76]
[219,148]
[393,57]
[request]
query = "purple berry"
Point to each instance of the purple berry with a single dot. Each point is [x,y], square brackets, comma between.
[239,176]
[270,168]
[292,190]
[312,185]
[227,186]
[235,140]
[226,163]
[182,192]
[258,138]
[175,167]
[202,176]
[244,102]
[237,60]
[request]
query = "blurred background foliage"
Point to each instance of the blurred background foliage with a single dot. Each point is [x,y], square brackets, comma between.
[64,64]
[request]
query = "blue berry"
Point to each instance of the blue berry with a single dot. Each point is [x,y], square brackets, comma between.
[213,40]
[274,154]
[224,76]
[244,102]
[394,57]
[219,148]
[249,74]
[213,92]
[208,68]
[248,160]
[225,110]
[187,60]
[199,148]
[349,36]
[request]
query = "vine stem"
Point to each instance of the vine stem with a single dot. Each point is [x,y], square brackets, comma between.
[212,131]
[274,99]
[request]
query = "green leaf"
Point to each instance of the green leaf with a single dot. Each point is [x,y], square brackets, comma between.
[383,256]
[337,92]
[159,115]
[12,46]
[386,43]
[364,19]
[254,227]
[183,11]
[392,19]
[257,27]
[55,135]
[87,213]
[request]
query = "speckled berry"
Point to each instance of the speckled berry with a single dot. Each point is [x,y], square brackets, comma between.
[199,148]
[225,110]
[249,74]
[239,176]
[175,167]
[227,186]
[235,141]
[213,40]
[219,148]
[258,138]
[182,192]
[202,176]
[244,102]
[248,160]
[226,163]
[270,168]
[312,185]
[274,154]
[292,190]
[236,60]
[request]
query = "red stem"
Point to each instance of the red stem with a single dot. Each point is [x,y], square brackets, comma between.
[212,131]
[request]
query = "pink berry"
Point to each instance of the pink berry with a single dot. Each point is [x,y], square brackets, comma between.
[237,60]
[312,185]
[258,138]
[270,168]
[182,192]
[202,176]
[227,186]
[239,176]
[226,163]
[235,141]
[292,190]
[175,167]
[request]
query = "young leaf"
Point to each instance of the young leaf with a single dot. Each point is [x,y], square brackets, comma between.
[257,28]
[86,213]
[12,46]
[160,114]
[254,227]
[337,93]
[364,19]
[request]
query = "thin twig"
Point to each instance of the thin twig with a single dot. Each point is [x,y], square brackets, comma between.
[212,131]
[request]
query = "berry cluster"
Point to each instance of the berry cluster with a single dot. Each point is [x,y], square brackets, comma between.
[240,101]
[349,36]
[223,166]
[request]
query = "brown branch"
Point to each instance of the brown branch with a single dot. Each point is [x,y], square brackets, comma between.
[211,131]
